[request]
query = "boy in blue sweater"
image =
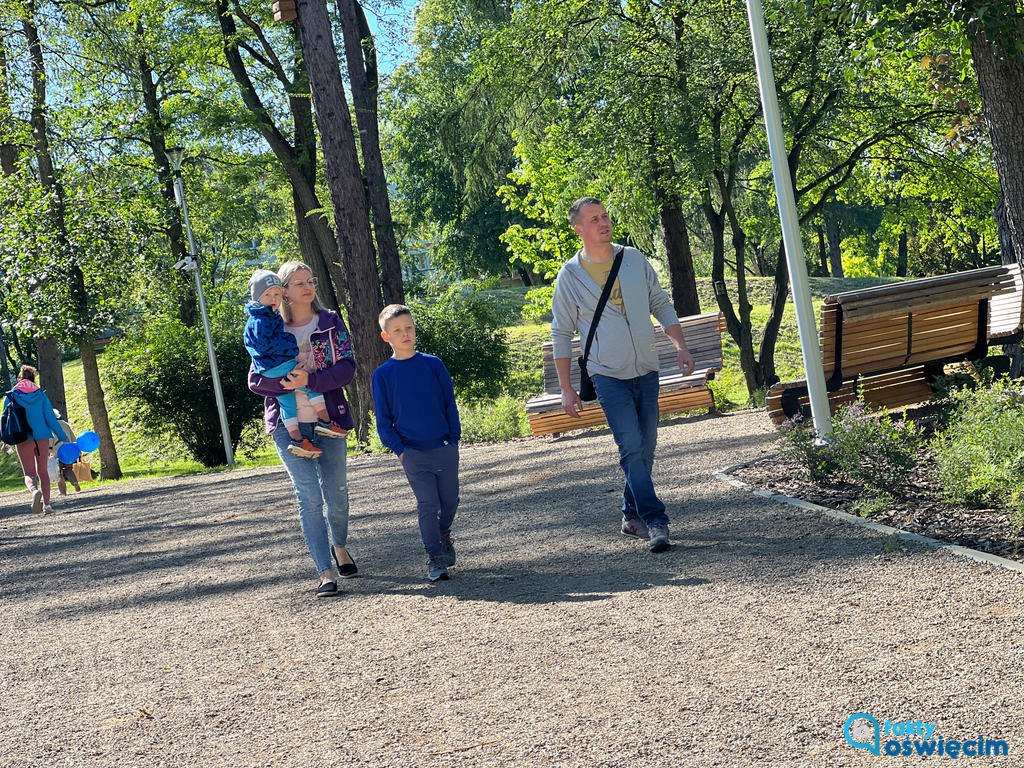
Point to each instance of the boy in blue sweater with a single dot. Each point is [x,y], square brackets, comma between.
[418,420]
[274,351]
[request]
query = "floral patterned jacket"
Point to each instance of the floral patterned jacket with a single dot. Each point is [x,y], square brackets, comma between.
[334,364]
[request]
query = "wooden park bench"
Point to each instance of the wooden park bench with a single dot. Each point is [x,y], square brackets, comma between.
[891,342]
[703,334]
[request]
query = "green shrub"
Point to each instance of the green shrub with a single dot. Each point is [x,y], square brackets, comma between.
[872,449]
[875,449]
[163,370]
[979,455]
[463,329]
[502,419]
[871,506]
[798,443]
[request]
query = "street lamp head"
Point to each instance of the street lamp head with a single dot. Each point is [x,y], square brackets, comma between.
[174,156]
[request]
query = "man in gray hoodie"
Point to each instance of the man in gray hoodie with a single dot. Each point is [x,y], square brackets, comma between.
[623,362]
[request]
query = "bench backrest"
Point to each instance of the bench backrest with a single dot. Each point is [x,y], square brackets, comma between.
[703,334]
[917,321]
[1006,310]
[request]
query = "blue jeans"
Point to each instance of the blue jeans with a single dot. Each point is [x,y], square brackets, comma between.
[434,478]
[631,407]
[316,482]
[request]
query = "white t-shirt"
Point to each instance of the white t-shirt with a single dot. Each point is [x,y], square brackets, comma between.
[305,411]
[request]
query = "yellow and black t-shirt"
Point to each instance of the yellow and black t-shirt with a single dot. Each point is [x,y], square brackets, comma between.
[599,270]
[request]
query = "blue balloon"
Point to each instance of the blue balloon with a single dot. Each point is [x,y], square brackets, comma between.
[69,453]
[88,441]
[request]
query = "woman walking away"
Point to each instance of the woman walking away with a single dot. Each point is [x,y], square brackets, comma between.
[35,449]
[326,366]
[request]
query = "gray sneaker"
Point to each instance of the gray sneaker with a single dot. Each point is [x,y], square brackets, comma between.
[437,570]
[635,527]
[658,541]
[448,550]
[37,502]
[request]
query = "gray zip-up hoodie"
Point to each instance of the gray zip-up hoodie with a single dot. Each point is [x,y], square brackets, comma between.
[624,343]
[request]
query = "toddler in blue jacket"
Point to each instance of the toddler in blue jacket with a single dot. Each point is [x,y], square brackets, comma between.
[274,351]
[417,419]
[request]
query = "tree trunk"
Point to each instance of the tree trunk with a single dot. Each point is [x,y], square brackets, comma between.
[822,251]
[110,467]
[902,254]
[51,373]
[156,127]
[524,275]
[679,256]
[317,242]
[76,280]
[780,296]
[1001,82]
[344,179]
[835,253]
[361,56]
[8,149]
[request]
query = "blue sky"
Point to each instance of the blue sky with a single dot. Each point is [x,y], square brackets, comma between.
[391,22]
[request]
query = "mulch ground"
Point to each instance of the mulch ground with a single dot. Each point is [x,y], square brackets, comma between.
[918,508]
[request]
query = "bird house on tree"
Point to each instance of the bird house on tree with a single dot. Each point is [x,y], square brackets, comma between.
[284,10]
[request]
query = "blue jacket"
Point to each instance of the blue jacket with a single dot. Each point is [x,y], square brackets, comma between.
[42,424]
[268,343]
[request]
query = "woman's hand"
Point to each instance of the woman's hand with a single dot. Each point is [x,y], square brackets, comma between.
[296,379]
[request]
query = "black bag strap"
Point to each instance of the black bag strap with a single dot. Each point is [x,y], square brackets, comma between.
[605,293]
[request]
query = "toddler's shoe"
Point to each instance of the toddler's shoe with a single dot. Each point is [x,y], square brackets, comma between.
[436,570]
[329,429]
[305,449]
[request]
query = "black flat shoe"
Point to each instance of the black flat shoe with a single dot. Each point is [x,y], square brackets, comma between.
[348,570]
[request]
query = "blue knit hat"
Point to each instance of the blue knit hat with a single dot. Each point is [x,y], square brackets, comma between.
[261,281]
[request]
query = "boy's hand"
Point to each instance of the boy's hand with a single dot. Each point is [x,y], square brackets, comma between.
[571,403]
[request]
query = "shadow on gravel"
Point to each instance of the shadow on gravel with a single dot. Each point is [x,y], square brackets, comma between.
[533,587]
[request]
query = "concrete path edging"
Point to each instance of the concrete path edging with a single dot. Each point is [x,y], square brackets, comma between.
[987,558]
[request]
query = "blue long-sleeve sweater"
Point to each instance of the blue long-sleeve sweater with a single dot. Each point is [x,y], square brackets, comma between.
[415,404]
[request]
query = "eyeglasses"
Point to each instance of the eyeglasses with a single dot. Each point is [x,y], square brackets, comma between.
[311,283]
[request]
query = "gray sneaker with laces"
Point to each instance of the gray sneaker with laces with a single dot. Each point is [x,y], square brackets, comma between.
[437,570]
[658,541]
[635,527]
[448,550]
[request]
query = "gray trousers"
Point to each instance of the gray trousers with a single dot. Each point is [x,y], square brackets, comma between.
[434,478]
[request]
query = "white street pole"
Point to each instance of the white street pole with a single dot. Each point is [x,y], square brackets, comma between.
[193,265]
[790,224]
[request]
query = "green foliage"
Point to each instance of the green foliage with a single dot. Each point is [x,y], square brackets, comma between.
[872,449]
[872,505]
[978,455]
[465,330]
[162,367]
[797,442]
[489,422]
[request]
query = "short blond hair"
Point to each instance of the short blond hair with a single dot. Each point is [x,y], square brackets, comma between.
[390,312]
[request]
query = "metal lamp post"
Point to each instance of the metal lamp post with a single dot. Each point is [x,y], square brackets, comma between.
[191,264]
[806,326]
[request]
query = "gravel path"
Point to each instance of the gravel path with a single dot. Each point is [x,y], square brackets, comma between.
[171,622]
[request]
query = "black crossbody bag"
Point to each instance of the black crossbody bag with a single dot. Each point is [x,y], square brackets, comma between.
[587,391]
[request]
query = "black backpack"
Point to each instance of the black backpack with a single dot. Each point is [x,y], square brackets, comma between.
[13,422]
